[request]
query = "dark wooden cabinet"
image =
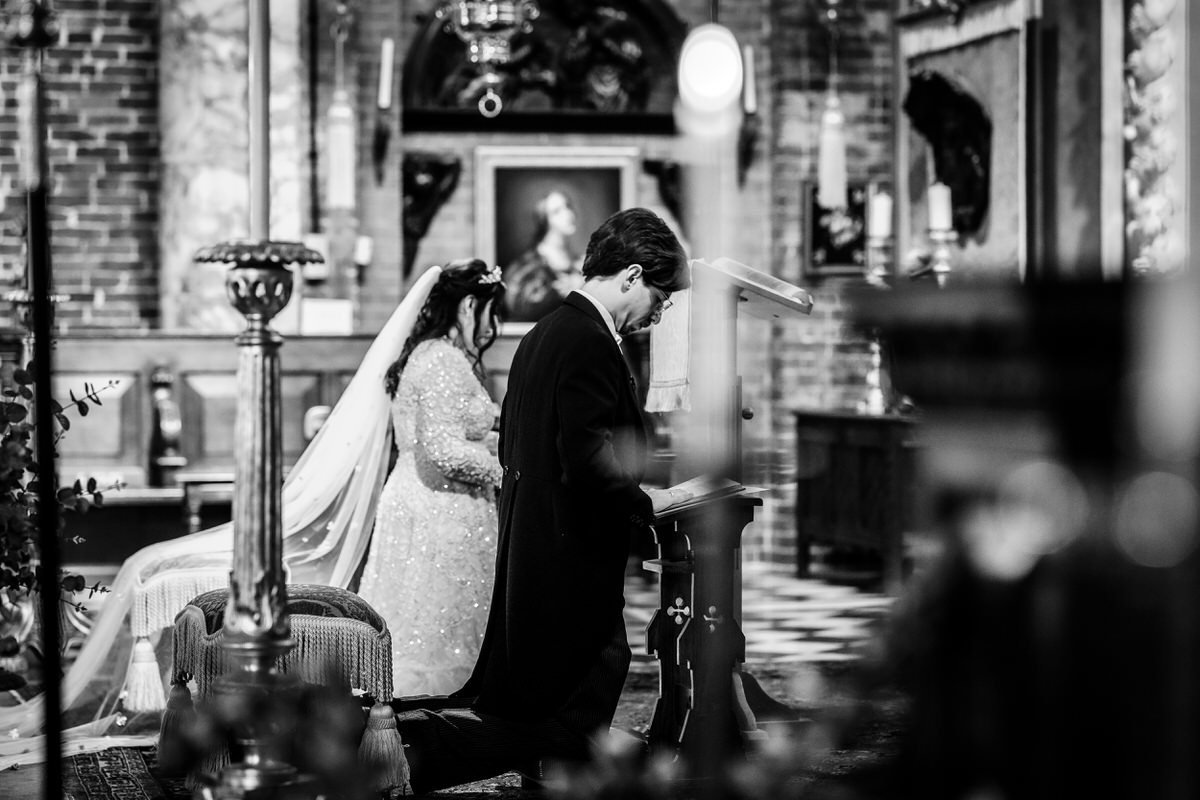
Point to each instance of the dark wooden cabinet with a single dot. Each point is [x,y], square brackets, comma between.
[854,478]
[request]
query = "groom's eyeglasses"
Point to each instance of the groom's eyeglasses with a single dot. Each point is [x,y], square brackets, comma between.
[662,300]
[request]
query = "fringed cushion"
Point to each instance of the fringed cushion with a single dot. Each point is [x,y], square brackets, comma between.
[340,640]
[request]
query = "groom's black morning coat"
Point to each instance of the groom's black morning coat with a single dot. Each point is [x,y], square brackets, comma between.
[573,448]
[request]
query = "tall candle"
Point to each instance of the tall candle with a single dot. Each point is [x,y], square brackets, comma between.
[749,90]
[341,179]
[939,208]
[387,51]
[879,225]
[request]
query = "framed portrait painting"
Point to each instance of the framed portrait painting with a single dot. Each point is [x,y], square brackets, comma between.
[535,208]
[835,239]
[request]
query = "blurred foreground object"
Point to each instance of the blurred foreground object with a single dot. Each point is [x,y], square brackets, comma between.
[1052,651]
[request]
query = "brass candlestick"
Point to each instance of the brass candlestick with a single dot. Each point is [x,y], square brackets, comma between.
[878,260]
[256,626]
[877,273]
[875,401]
[941,240]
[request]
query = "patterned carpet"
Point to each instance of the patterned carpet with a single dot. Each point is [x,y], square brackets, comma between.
[120,773]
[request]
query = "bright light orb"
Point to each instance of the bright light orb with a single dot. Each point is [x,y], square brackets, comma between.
[710,69]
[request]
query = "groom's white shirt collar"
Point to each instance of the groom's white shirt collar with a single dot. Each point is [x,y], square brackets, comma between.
[607,317]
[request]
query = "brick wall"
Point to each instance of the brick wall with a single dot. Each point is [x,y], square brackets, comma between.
[102,98]
[818,361]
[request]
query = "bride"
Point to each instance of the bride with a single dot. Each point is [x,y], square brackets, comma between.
[429,572]
[329,504]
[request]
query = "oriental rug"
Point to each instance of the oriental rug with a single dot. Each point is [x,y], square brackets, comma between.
[119,773]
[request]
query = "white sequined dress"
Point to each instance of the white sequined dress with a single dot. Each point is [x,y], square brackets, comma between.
[430,567]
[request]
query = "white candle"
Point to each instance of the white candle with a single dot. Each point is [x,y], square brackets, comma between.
[939,208]
[879,225]
[341,179]
[749,90]
[387,52]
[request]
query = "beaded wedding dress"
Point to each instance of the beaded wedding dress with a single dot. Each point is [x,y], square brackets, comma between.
[328,509]
[429,570]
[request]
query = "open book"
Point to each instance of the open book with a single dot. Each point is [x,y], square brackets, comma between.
[701,489]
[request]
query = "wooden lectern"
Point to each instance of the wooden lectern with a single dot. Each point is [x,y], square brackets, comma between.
[696,632]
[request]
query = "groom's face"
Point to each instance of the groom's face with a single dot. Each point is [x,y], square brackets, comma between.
[645,302]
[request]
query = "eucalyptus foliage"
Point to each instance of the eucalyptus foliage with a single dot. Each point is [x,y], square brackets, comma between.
[20,491]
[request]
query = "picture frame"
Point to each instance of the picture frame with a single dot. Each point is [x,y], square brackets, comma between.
[992,56]
[511,180]
[835,242]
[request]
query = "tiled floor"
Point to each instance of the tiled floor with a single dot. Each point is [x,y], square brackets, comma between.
[785,619]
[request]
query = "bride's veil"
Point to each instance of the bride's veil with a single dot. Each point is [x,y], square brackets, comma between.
[329,499]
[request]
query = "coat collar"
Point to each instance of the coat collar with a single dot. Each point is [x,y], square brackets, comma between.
[605,317]
[578,301]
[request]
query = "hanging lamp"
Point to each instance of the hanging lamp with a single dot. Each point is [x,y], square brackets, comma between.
[487,27]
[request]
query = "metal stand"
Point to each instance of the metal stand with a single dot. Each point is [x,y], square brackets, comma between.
[246,699]
[941,253]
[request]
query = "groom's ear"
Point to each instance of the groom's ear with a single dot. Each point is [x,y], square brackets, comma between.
[632,273]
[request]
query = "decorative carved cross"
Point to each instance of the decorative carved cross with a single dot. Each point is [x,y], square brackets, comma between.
[679,611]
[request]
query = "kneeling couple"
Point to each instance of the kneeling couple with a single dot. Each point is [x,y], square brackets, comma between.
[572,449]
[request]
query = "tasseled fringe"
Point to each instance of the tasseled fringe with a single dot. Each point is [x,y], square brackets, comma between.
[669,398]
[155,605]
[211,764]
[382,751]
[143,683]
[329,651]
[175,732]
[336,651]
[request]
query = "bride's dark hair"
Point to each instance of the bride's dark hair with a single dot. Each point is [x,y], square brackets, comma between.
[439,315]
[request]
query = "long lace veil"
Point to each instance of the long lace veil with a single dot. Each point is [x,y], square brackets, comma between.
[329,500]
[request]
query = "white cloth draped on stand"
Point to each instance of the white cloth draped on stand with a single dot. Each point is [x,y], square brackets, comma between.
[670,357]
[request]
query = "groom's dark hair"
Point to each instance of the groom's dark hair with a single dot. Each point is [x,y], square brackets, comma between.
[637,236]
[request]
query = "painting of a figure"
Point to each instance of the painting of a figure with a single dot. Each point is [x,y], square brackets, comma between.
[536,208]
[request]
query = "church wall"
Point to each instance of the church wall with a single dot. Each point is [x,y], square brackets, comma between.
[103,94]
[102,98]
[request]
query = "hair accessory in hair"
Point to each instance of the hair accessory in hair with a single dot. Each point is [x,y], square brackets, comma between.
[491,276]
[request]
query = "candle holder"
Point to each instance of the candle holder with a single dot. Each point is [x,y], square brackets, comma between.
[941,240]
[875,401]
[879,248]
[879,260]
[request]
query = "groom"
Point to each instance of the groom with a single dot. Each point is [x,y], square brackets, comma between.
[573,448]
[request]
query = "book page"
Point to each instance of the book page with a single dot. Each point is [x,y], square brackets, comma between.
[701,488]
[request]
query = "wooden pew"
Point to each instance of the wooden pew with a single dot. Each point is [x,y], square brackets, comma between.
[167,412]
